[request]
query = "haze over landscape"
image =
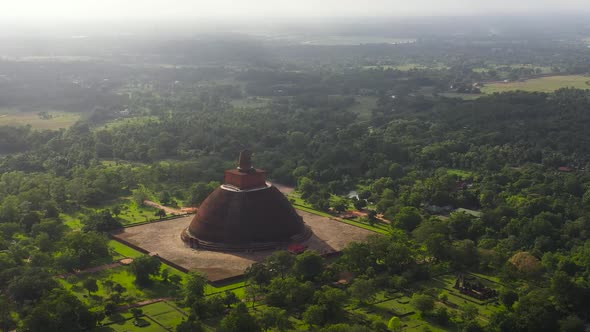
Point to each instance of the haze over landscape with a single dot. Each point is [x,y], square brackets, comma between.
[404,166]
[182,9]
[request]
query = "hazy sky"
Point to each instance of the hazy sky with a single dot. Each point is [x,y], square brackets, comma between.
[20,10]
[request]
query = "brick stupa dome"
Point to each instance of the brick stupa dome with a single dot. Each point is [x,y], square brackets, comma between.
[245,213]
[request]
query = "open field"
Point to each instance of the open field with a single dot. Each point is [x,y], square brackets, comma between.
[363,106]
[464,96]
[250,102]
[406,67]
[543,84]
[354,40]
[125,278]
[51,120]
[463,174]
[161,316]
[496,67]
[131,213]
[127,121]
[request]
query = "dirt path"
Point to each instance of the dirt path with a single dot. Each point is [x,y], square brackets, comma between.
[91,270]
[168,210]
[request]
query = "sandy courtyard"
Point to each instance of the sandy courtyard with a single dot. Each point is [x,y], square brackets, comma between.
[163,238]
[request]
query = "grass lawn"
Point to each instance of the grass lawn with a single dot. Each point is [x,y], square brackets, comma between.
[134,120]
[52,120]
[399,305]
[72,221]
[250,102]
[543,84]
[123,276]
[406,67]
[133,213]
[165,313]
[464,96]
[363,106]
[463,174]
[127,326]
[122,250]
[352,40]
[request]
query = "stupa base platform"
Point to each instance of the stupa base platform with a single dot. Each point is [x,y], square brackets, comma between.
[163,238]
[196,243]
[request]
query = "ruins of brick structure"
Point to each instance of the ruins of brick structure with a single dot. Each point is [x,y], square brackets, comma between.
[244,214]
[470,286]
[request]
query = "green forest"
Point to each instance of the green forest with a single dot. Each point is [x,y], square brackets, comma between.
[480,202]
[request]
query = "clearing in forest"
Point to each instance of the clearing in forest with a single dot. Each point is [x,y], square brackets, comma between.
[38,120]
[542,84]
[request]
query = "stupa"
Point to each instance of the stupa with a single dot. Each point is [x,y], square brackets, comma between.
[245,213]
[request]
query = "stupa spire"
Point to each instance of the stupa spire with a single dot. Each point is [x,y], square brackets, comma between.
[245,161]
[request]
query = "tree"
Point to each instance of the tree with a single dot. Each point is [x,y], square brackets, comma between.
[81,250]
[259,274]
[102,221]
[230,298]
[190,326]
[288,293]
[145,267]
[7,323]
[30,219]
[508,297]
[534,313]
[394,324]
[29,285]
[357,257]
[276,318]
[572,323]
[175,279]
[422,302]
[363,290]
[359,204]
[314,315]
[160,213]
[309,265]
[472,326]
[469,313]
[339,204]
[280,263]
[435,236]
[408,218]
[90,285]
[526,264]
[165,274]
[140,194]
[464,254]
[199,192]
[252,291]
[333,301]
[194,288]
[136,312]
[459,224]
[239,320]
[59,312]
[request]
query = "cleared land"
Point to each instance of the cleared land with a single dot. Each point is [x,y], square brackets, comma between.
[163,238]
[543,84]
[407,67]
[51,120]
[355,40]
